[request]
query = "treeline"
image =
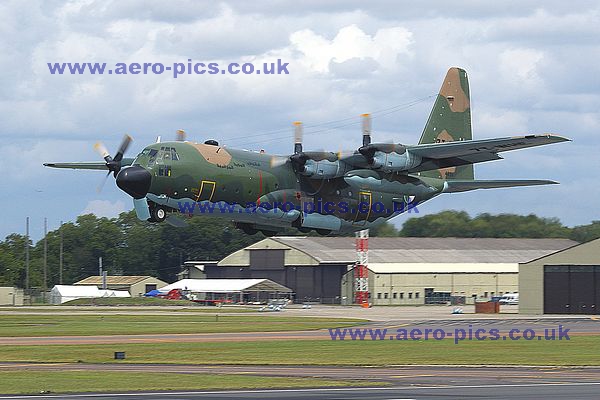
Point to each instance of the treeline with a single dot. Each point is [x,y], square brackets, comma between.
[127,246]
[131,247]
[460,224]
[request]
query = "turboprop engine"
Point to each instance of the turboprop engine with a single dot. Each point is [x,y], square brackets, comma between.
[389,157]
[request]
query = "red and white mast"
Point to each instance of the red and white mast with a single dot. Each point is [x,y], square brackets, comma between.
[362,268]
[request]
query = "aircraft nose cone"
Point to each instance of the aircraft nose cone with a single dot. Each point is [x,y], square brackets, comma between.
[135,181]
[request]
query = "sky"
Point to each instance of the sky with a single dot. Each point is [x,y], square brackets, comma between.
[533,68]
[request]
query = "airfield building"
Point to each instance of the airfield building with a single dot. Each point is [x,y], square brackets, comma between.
[11,296]
[136,285]
[401,270]
[230,290]
[564,282]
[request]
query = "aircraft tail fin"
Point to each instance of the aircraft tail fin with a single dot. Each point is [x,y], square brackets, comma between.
[449,121]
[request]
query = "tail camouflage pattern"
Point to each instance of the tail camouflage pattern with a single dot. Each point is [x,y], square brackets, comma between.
[450,120]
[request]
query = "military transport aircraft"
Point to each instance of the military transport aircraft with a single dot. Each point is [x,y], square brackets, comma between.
[308,190]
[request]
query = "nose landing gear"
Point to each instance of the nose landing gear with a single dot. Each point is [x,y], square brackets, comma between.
[157,213]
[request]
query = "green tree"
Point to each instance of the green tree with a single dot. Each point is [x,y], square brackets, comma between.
[385,229]
[585,233]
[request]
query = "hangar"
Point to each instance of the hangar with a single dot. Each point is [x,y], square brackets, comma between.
[63,293]
[230,290]
[565,282]
[136,285]
[402,270]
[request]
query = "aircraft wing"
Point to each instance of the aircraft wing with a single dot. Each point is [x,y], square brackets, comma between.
[453,154]
[455,186]
[100,165]
[490,146]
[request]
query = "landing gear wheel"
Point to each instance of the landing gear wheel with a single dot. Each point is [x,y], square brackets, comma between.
[158,214]
[323,232]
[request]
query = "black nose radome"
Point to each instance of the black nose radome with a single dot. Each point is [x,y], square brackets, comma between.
[135,181]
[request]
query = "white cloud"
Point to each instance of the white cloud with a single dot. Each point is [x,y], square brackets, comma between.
[351,42]
[533,68]
[498,122]
[519,66]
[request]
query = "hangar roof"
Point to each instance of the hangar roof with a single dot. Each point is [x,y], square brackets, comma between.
[113,280]
[74,291]
[226,286]
[582,254]
[426,250]
[443,268]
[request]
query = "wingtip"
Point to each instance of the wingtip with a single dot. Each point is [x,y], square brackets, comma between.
[559,138]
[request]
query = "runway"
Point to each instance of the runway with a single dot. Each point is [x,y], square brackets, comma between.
[406,382]
[421,382]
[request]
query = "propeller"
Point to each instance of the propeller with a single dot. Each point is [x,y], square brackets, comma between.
[112,163]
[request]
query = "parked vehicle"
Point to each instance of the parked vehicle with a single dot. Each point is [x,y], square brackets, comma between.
[510,298]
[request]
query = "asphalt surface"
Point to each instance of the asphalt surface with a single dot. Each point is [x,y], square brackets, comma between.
[535,391]
[421,382]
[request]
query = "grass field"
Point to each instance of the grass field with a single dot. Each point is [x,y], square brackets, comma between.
[75,325]
[102,381]
[580,350]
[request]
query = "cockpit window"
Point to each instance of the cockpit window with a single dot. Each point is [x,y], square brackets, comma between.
[174,155]
[152,157]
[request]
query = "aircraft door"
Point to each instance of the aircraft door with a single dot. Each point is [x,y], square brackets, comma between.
[206,191]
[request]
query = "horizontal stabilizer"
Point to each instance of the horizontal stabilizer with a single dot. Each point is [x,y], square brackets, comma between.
[175,221]
[464,186]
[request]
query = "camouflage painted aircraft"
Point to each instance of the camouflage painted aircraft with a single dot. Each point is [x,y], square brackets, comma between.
[321,191]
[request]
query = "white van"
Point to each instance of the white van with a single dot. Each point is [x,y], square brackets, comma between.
[509,298]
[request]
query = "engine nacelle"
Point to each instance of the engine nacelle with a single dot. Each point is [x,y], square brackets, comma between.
[325,169]
[412,187]
[320,222]
[393,162]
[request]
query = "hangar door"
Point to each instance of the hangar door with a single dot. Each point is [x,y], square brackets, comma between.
[571,289]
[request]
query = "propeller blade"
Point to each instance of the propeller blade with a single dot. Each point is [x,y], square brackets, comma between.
[102,183]
[180,135]
[141,209]
[123,148]
[298,133]
[277,161]
[366,129]
[101,149]
[321,155]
